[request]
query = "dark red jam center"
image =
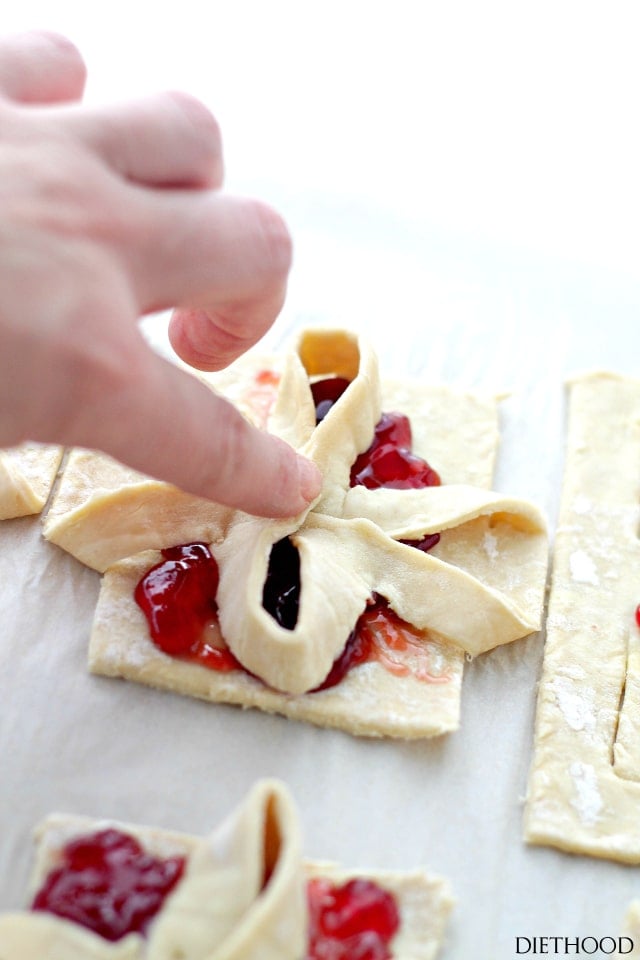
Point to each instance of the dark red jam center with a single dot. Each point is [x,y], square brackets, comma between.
[281,593]
[108,883]
[389,461]
[638,615]
[425,544]
[378,634]
[355,921]
[178,598]
[327,392]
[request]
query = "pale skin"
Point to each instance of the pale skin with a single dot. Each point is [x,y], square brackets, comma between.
[110,213]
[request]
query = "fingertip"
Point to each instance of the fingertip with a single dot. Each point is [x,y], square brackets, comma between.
[41,66]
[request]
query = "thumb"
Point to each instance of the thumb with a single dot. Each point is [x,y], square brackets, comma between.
[166,423]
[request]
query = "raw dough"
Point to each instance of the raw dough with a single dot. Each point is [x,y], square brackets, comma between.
[27,473]
[584,790]
[221,909]
[491,559]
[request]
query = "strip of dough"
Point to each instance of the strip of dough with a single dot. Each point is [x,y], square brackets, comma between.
[584,790]
[27,473]
[222,909]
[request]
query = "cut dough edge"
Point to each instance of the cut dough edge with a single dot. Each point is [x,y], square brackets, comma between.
[27,474]
[221,909]
[584,785]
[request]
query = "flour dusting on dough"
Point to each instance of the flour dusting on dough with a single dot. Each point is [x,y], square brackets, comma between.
[583,569]
[587,802]
[490,544]
[582,505]
[575,707]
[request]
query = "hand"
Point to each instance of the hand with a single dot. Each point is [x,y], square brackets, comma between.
[107,214]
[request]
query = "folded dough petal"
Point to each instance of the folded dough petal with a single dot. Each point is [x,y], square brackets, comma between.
[342,564]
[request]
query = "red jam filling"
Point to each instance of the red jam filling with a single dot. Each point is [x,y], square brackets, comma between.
[355,921]
[281,592]
[327,392]
[381,635]
[108,883]
[389,461]
[638,615]
[178,595]
[178,598]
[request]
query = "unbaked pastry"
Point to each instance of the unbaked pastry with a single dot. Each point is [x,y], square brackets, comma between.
[103,511]
[242,895]
[584,790]
[482,585]
[27,473]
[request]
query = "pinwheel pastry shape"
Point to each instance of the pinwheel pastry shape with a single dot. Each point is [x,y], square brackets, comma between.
[356,614]
[104,890]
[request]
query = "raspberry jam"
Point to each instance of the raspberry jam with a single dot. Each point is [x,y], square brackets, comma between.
[178,598]
[425,544]
[381,635]
[108,883]
[355,921]
[638,615]
[281,592]
[389,461]
[327,392]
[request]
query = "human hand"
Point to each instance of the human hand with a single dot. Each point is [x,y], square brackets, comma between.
[107,214]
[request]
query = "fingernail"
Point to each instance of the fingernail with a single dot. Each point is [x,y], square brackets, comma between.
[310,479]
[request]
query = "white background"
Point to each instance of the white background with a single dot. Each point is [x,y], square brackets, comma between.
[461,181]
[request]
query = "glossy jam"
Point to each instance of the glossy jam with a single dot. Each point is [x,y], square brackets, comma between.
[178,598]
[638,615]
[381,635]
[108,883]
[281,593]
[327,392]
[425,544]
[354,921]
[389,461]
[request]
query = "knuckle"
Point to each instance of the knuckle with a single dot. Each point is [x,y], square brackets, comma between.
[204,131]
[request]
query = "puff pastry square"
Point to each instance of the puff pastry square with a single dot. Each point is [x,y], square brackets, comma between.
[584,789]
[242,895]
[482,585]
